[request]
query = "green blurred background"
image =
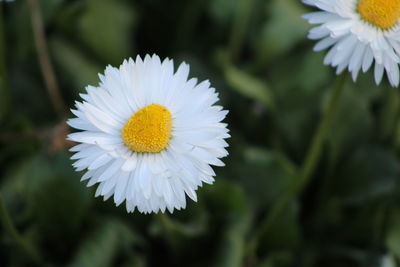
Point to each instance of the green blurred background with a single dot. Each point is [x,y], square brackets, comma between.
[255,52]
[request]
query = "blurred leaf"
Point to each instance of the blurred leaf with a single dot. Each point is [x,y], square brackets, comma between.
[266,157]
[348,256]
[390,112]
[353,114]
[237,222]
[282,32]
[181,227]
[106,27]
[224,10]
[264,173]
[48,9]
[298,105]
[393,234]
[21,33]
[79,69]
[187,22]
[233,243]
[249,86]
[285,233]
[369,172]
[287,77]
[397,136]
[135,260]
[278,259]
[14,187]
[175,229]
[57,200]
[108,239]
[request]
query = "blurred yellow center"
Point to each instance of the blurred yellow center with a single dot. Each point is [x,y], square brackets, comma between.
[148,130]
[383,14]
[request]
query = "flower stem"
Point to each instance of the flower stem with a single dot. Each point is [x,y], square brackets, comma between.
[48,72]
[319,138]
[307,169]
[9,227]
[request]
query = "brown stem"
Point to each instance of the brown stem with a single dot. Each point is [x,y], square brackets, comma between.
[44,60]
[54,138]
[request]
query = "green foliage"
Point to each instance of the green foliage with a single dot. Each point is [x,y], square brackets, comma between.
[249,86]
[104,243]
[237,219]
[257,56]
[53,188]
[70,59]
[370,172]
[105,28]
[3,83]
[279,35]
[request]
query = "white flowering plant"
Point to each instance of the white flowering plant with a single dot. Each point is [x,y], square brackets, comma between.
[200,133]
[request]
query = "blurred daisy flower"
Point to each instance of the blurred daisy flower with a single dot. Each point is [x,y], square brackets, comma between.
[358,33]
[149,135]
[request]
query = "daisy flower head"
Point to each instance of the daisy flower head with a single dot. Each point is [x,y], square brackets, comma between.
[358,33]
[149,135]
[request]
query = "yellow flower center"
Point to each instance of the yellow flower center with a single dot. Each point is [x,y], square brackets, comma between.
[148,130]
[383,14]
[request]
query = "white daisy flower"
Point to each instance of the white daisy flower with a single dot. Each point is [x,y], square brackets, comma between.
[358,32]
[149,135]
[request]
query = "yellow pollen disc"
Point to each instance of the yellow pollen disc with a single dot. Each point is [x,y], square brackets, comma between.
[148,130]
[383,14]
